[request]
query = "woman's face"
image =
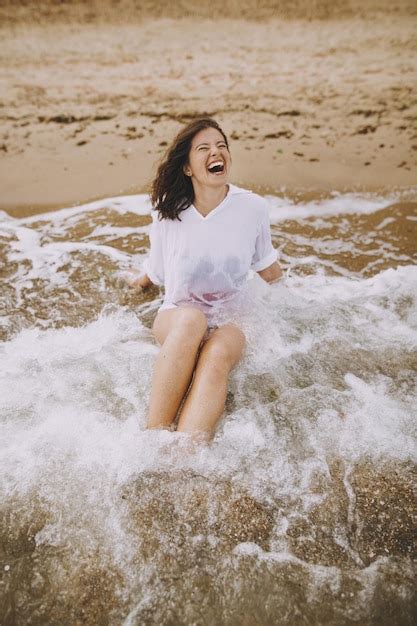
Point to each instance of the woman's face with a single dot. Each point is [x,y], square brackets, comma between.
[209,159]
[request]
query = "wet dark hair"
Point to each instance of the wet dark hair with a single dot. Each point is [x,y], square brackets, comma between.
[172,190]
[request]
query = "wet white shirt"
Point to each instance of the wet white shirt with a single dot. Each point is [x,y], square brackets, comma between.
[204,261]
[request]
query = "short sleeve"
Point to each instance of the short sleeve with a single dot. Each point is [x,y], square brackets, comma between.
[264,254]
[153,266]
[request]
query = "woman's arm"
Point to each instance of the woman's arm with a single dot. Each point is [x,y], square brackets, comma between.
[272,274]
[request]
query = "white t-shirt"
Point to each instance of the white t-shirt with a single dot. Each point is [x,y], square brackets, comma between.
[204,261]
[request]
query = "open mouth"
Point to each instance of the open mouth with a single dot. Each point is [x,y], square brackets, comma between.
[216,168]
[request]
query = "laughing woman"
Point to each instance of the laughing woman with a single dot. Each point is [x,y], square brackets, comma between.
[205,237]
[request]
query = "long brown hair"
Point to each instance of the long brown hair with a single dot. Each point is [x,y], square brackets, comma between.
[172,191]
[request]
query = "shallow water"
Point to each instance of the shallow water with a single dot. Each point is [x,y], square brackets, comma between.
[300,512]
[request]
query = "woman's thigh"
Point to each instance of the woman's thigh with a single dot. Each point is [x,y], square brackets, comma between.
[182,319]
[226,343]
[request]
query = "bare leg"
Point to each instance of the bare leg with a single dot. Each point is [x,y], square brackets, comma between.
[205,402]
[180,332]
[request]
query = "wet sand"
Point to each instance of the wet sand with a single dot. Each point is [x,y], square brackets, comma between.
[91,98]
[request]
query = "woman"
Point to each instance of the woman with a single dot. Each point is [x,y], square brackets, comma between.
[205,236]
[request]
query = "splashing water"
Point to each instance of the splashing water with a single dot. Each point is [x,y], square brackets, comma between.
[302,509]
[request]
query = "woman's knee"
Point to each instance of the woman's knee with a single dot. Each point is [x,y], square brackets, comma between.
[191,322]
[186,324]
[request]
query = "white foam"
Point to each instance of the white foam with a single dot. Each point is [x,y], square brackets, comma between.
[83,391]
[281,208]
[339,204]
[138,204]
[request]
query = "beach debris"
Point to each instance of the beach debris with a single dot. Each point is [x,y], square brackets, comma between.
[364,130]
[64,119]
[282,133]
[292,113]
[366,112]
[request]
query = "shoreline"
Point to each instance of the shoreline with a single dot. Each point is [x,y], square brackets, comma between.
[66,179]
[92,178]
[297,196]
[22,207]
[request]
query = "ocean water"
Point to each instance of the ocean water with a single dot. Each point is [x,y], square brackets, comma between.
[301,511]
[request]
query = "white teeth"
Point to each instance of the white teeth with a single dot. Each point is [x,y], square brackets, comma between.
[215,164]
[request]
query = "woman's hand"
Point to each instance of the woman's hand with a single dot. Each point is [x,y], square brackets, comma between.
[135,281]
[272,274]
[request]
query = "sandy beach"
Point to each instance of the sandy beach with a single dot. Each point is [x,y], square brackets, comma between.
[301,510]
[314,99]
